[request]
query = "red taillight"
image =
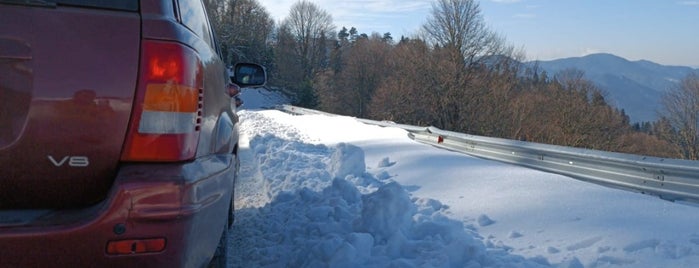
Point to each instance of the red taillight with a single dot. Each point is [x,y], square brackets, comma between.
[168,110]
[135,246]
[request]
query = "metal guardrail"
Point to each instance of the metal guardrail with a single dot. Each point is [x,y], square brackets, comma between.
[669,179]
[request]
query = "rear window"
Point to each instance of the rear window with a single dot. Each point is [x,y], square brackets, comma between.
[126,5]
[194,17]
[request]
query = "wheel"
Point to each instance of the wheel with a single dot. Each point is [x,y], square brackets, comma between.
[220,259]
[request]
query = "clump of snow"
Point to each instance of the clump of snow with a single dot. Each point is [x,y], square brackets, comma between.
[552,250]
[385,162]
[515,234]
[386,211]
[347,160]
[383,175]
[484,220]
[429,206]
[287,170]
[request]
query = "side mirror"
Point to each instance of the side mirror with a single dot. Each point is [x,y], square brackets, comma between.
[249,75]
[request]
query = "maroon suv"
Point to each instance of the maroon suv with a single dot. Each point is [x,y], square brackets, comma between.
[118,139]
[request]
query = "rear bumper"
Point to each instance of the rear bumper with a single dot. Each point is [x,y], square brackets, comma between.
[186,204]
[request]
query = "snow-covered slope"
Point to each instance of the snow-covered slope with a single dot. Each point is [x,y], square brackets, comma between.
[317,191]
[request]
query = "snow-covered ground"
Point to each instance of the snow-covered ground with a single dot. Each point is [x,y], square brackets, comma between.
[321,191]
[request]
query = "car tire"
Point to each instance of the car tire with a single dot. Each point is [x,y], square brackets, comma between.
[220,259]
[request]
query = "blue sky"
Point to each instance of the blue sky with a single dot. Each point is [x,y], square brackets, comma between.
[663,31]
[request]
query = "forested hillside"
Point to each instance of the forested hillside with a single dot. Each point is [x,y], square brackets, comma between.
[635,86]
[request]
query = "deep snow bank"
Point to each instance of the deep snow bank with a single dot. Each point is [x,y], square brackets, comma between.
[321,207]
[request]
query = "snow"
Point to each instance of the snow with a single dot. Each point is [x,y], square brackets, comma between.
[322,191]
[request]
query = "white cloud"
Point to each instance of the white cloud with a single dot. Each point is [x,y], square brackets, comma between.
[689,3]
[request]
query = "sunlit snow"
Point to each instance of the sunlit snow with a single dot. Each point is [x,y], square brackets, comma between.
[322,191]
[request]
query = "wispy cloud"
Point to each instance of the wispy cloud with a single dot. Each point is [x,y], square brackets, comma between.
[689,3]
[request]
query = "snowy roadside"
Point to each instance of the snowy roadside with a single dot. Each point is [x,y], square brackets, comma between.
[309,184]
[308,205]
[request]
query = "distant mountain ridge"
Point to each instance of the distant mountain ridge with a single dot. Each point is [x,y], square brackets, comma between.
[635,86]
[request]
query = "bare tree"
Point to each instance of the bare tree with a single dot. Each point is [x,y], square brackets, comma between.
[303,39]
[246,30]
[681,109]
[215,10]
[288,71]
[404,96]
[468,56]
[364,67]
[243,28]
[311,26]
[458,24]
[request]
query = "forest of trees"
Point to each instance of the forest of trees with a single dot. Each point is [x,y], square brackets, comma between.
[454,74]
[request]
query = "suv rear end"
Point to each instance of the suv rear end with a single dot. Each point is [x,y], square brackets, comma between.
[117,135]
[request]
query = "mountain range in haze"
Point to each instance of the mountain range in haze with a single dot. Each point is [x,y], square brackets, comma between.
[635,86]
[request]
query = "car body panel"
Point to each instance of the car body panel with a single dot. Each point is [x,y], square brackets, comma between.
[179,202]
[68,112]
